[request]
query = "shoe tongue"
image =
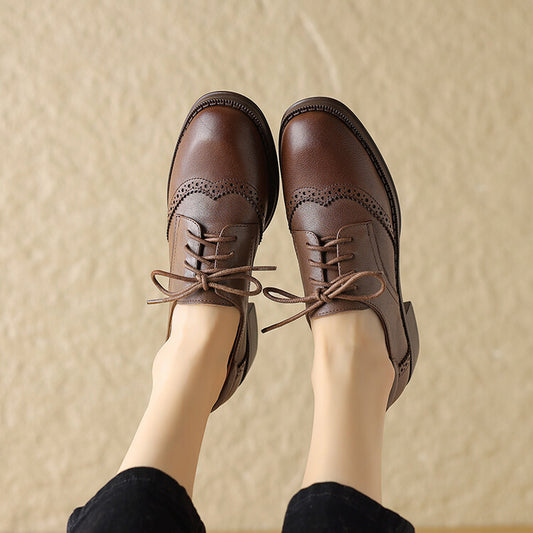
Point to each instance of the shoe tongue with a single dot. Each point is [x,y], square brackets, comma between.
[326,221]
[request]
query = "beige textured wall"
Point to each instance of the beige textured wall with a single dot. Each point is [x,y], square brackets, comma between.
[93,94]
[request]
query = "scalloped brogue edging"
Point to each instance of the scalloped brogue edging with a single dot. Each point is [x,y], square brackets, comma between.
[215,190]
[328,195]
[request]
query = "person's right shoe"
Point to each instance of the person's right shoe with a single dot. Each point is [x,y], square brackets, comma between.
[221,195]
[344,217]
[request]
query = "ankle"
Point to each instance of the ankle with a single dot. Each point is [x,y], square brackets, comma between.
[202,325]
[200,343]
[335,369]
[350,329]
[350,347]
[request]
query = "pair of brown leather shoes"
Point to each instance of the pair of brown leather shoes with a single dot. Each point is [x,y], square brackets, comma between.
[342,209]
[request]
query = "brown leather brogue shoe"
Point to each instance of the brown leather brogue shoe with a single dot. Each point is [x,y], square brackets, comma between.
[344,217]
[221,195]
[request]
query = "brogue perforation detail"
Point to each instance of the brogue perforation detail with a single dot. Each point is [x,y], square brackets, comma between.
[404,363]
[360,138]
[327,196]
[214,190]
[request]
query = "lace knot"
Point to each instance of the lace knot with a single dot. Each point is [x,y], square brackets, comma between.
[322,296]
[334,290]
[202,279]
[212,278]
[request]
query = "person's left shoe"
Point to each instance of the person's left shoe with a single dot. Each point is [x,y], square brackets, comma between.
[344,217]
[222,191]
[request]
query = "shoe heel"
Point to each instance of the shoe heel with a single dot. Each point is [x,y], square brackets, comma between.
[412,332]
[233,381]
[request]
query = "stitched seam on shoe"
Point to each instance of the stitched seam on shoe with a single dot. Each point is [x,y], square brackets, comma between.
[375,250]
[228,103]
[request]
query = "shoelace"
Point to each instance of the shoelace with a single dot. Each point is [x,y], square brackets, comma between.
[211,277]
[325,292]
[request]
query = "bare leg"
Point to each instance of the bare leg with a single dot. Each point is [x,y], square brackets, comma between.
[188,373]
[352,377]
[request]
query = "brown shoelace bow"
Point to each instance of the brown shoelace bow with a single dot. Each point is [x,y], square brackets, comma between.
[211,277]
[325,292]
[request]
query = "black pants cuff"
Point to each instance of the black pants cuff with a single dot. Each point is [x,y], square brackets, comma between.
[332,507]
[138,500]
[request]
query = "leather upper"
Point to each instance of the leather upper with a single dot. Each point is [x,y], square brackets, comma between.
[342,218]
[222,190]
[218,186]
[331,190]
